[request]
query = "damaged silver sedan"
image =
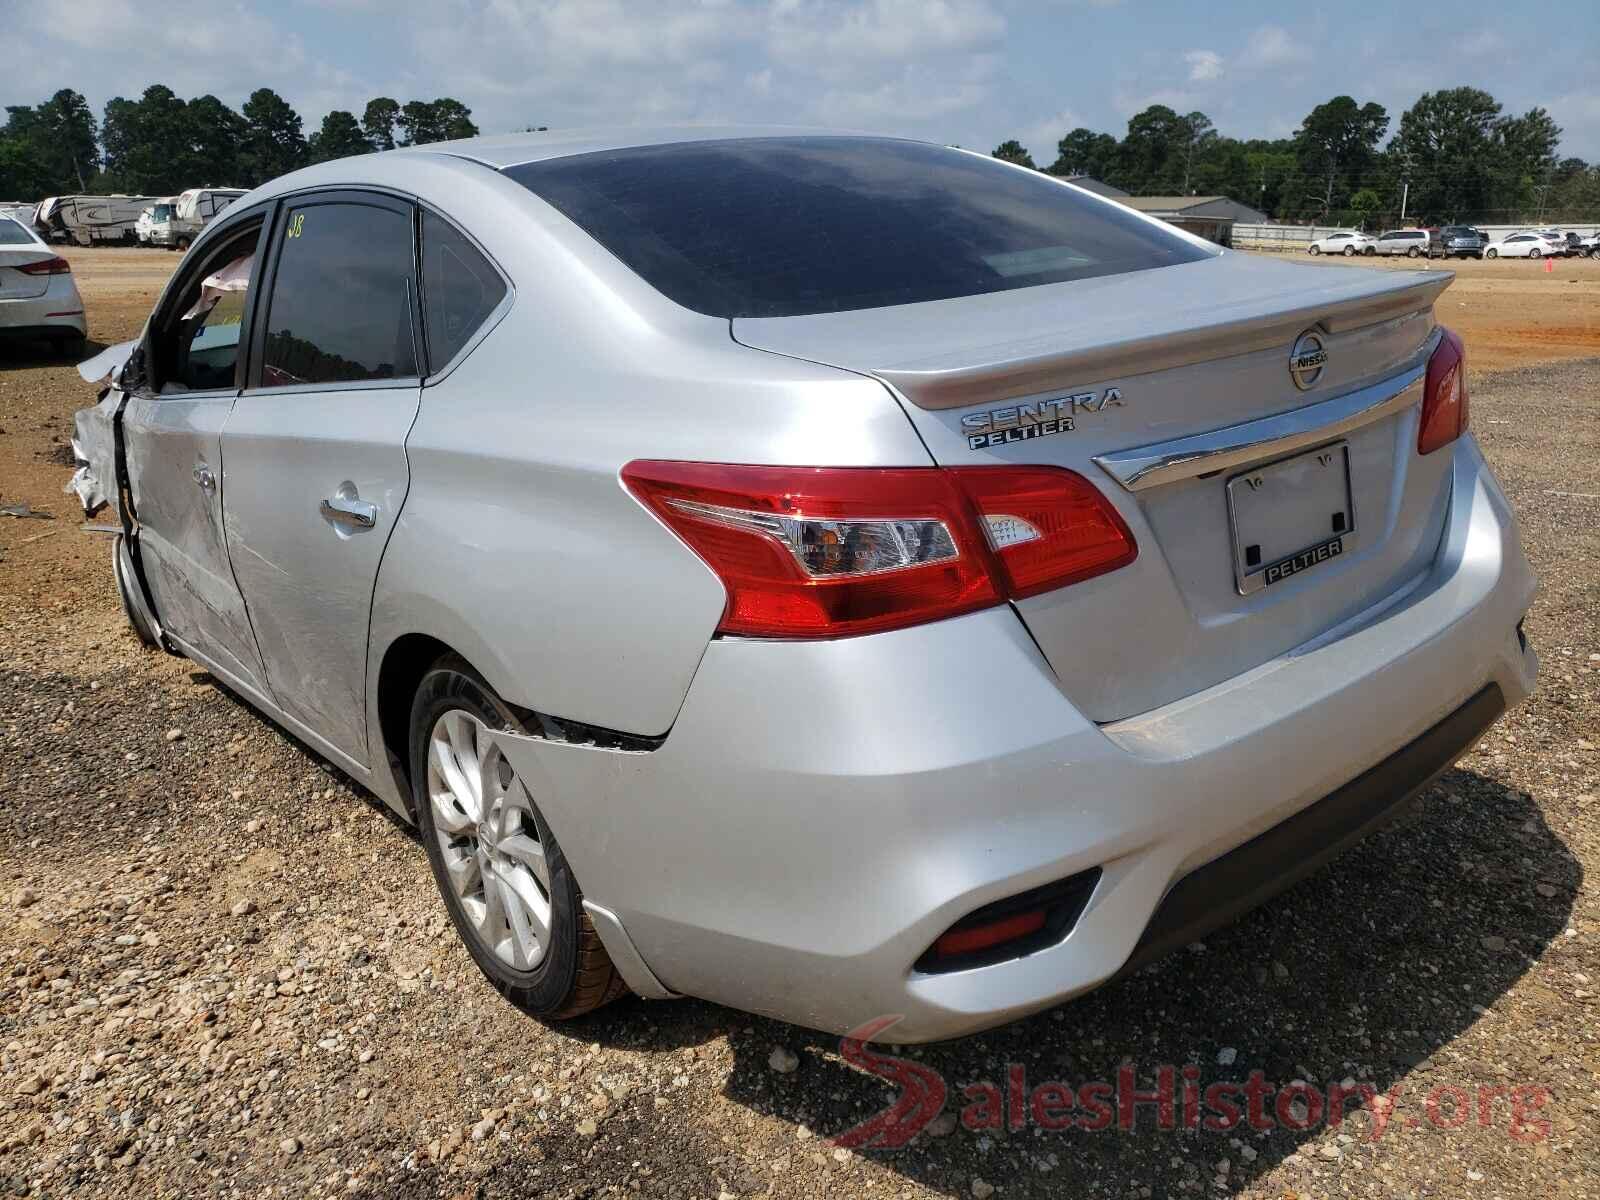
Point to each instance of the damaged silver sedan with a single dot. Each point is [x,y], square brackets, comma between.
[837,577]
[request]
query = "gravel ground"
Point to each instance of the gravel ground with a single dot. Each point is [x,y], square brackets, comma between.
[223,969]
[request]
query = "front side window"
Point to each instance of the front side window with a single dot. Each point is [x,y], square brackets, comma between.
[459,289]
[213,325]
[340,308]
[790,226]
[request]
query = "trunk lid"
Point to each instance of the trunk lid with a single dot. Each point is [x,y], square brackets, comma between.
[19,285]
[1127,379]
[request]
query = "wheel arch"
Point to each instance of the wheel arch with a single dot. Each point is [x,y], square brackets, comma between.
[404,663]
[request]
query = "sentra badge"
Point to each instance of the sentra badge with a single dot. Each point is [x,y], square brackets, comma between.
[1022,422]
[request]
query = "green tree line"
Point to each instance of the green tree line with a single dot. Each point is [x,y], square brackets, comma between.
[1455,156]
[160,143]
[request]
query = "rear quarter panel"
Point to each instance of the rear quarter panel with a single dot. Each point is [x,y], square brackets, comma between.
[518,545]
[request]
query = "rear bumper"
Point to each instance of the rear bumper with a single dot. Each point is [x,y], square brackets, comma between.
[56,312]
[1230,886]
[821,812]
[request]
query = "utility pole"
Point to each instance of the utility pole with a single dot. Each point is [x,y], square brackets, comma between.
[1405,183]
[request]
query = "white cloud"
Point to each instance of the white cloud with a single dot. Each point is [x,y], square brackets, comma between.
[1273,46]
[1481,43]
[1203,65]
[1040,137]
[1578,114]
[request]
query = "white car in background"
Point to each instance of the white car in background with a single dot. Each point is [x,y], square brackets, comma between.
[38,297]
[1590,245]
[1526,244]
[1347,242]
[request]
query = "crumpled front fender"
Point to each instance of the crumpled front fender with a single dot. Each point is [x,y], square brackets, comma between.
[94,449]
[107,365]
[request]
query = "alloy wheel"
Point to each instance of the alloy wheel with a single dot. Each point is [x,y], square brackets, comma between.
[489,840]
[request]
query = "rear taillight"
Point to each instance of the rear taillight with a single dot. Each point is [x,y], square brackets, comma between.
[50,266]
[815,552]
[1047,527]
[1444,395]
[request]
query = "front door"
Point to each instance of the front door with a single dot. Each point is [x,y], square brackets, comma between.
[171,429]
[315,448]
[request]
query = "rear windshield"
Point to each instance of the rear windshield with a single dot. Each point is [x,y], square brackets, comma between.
[13,234]
[778,227]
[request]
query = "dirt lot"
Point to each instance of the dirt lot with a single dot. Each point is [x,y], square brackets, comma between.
[224,972]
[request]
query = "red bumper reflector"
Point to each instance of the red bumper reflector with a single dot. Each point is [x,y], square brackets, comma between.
[983,937]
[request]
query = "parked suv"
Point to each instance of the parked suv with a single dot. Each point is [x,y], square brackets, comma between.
[1460,241]
[1411,242]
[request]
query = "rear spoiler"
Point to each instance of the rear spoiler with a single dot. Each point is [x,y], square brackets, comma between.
[1223,332]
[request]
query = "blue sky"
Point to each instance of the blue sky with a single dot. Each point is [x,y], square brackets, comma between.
[966,71]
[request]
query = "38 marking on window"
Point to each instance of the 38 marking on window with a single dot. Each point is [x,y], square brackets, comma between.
[296,225]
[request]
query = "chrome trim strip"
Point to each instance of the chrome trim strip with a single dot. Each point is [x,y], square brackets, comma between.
[1234,445]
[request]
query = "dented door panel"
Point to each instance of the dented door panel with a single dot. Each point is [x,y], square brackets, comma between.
[173,447]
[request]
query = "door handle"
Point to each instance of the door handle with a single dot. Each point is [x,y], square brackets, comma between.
[346,511]
[204,478]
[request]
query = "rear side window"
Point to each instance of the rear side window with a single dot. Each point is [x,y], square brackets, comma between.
[12,234]
[459,289]
[775,227]
[340,309]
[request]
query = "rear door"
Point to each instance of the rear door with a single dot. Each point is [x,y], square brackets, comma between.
[315,447]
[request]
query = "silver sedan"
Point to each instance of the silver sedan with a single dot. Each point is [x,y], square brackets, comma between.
[829,575]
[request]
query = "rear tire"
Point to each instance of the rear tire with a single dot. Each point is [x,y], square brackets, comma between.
[1315,250]
[1349,251]
[1413,252]
[1535,254]
[503,876]
[1371,251]
[1491,254]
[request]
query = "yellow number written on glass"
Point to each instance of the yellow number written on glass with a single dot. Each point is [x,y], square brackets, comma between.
[296,224]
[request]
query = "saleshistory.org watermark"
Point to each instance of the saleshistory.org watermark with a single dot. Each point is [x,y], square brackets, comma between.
[1170,1098]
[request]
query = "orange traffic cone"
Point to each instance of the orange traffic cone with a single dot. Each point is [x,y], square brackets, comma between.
[1549,265]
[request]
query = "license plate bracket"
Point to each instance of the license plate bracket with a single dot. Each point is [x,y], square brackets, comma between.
[1291,515]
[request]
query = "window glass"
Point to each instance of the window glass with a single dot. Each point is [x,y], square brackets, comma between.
[213,325]
[340,309]
[13,234]
[786,226]
[459,289]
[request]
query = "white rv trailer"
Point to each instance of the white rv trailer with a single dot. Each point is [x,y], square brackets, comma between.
[90,219]
[192,212]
